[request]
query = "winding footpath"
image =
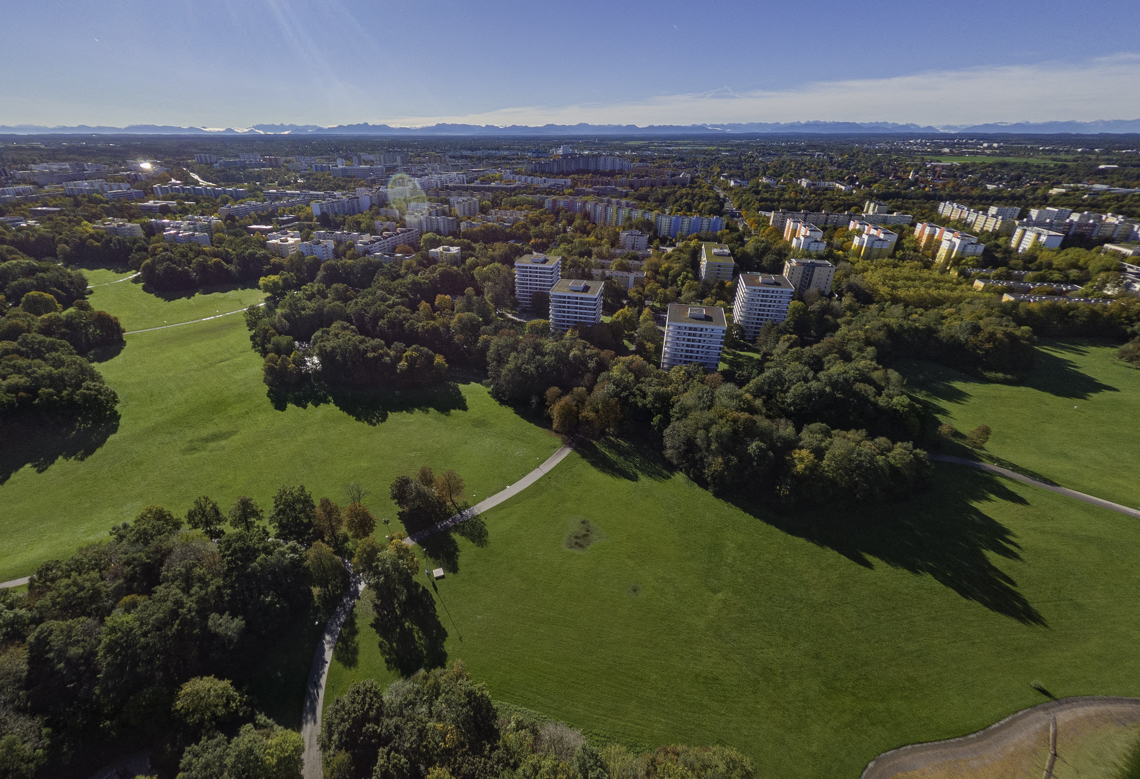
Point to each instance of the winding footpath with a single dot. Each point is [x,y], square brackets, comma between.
[319,671]
[191,322]
[116,281]
[1002,736]
[1006,472]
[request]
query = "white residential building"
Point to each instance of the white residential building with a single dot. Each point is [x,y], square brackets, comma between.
[575,303]
[284,242]
[1025,238]
[760,298]
[804,237]
[465,206]
[873,241]
[716,262]
[120,227]
[446,255]
[693,335]
[809,274]
[184,236]
[440,225]
[634,241]
[322,250]
[535,273]
[342,206]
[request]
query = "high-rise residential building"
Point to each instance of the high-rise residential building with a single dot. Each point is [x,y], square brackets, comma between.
[465,206]
[716,262]
[807,238]
[1005,212]
[440,225]
[693,334]
[284,242]
[1025,238]
[760,298]
[873,241]
[205,159]
[120,227]
[535,273]
[805,274]
[634,241]
[575,303]
[322,250]
[342,206]
[446,255]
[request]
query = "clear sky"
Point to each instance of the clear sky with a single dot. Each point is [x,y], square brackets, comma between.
[242,62]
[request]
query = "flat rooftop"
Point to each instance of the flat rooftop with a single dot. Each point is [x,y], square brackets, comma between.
[536,259]
[716,252]
[765,281]
[682,314]
[585,287]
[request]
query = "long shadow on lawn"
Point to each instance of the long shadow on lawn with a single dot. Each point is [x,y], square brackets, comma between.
[1060,376]
[374,407]
[411,635]
[41,445]
[944,536]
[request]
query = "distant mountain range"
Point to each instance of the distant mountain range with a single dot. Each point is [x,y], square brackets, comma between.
[1113,126]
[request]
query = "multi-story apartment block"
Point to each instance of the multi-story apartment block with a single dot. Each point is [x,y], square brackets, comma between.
[693,335]
[825,219]
[205,159]
[284,242]
[953,244]
[120,227]
[761,298]
[427,209]
[1005,212]
[634,241]
[806,238]
[155,207]
[237,193]
[342,206]
[440,225]
[465,206]
[1025,238]
[873,241]
[716,262]
[575,303]
[618,212]
[535,273]
[446,255]
[809,274]
[322,250]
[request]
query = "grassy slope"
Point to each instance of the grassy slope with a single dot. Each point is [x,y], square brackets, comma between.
[137,309]
[195,419]
[810,655]
[1091,448]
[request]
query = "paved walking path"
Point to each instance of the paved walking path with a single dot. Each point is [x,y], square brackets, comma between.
[494,500]
[319,672]
[192,321]
[998,737]
[116,281]
[318,677]
[1104,504]
[15,582]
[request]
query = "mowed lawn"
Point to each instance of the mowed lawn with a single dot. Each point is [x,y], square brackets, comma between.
[810,642]
[1074,421]
[196,419]
[138,310]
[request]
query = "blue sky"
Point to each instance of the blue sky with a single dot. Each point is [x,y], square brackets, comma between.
[241,62]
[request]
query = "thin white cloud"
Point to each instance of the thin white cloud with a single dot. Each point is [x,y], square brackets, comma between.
[1104,88]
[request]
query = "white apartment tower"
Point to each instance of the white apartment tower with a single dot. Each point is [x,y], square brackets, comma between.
[805,274]
[693,334]
[535,273]
[716,262]
[575,303]
[761,298]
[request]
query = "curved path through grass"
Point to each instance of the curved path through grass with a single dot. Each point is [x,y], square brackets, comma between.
[191,322]
[1000,737]
[319,673]
[1009,474]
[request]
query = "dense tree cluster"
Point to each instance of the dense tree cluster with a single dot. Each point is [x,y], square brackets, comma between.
[440,724]
[20,274]
[46,377]
[139,637]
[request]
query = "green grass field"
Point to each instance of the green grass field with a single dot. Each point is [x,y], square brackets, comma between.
[138,310]
[196,419]
[811,643]
[1073,421]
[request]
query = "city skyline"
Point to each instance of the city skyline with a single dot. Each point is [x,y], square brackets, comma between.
[343,62]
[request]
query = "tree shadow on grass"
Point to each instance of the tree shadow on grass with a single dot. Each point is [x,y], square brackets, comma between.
[373,407]
[411,635]
[622,459]
[940,534]
[1058,375]
[347,650]
[105,353]
[183,294]
[42,444]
